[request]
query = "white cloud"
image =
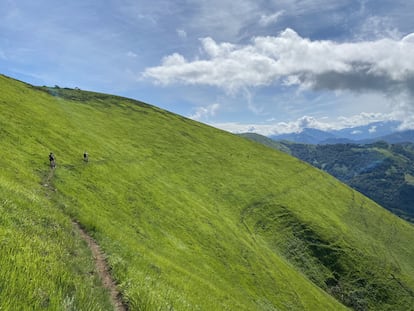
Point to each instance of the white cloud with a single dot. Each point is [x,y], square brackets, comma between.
[404,111]
[266,20]
[372,129]
[363,118]
[383,65]
[408,38]
[205,112]
[407,124]
[306,122]
[378,27]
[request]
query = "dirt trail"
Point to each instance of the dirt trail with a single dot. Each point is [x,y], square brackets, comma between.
[98,256]
[103,269]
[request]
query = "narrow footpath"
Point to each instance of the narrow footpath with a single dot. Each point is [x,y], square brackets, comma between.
[102,269]
[101,265]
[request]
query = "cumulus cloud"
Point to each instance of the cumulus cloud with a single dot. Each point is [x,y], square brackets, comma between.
[205,112]
[385,65]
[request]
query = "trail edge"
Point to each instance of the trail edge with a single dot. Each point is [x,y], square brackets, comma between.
[102,269]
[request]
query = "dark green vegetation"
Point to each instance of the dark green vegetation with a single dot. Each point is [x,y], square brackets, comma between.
[190,217]
[381,171]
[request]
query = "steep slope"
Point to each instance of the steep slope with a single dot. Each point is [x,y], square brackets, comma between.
[266,141]
[381,171]
[190,217]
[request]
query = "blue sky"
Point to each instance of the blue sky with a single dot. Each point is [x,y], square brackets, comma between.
[267,66]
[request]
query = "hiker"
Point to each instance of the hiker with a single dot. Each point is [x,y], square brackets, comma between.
[52,160]
[85,157]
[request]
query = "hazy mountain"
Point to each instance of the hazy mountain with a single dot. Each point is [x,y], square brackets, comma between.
[371,131]
[306,136]
[397,137]
[386,131]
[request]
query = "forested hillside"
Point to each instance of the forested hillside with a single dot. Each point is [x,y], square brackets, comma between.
[384,172]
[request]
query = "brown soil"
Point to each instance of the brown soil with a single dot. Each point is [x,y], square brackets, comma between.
[102,269]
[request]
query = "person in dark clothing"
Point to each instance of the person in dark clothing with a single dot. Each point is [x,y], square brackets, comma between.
[85,157]
[52,160]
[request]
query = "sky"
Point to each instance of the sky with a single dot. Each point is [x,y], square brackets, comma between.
[265,66]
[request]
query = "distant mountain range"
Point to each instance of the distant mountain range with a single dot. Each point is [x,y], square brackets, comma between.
[385,131]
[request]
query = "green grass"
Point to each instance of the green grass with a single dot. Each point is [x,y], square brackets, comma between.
[43,262]
[190,217]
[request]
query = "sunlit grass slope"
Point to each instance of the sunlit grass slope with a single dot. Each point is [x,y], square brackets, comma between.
[191,218]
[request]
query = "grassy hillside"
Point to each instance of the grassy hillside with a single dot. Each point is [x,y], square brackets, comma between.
[190,217]
[381,171]
[266,141]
